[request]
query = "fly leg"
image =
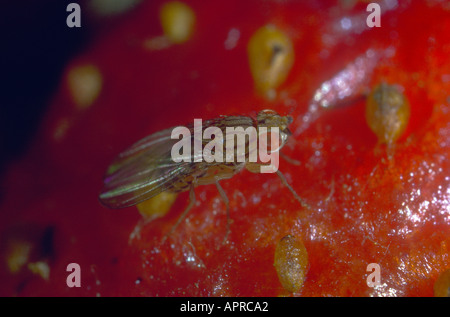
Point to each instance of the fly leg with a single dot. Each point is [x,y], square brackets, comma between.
[255,168]
[290,159]
[183,215]
[227,204]
[283,179]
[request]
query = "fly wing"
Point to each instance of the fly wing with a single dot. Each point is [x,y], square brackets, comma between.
[146,168]
[142,171]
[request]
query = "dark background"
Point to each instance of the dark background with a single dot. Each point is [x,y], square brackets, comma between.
[36,45]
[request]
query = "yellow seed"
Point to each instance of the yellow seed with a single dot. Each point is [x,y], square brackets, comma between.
[442,285]
[387,113]
[291,261]
[17,254]
[271,56]
[85,83]
[60,131]
[40,268]
[177,20]
[157,206]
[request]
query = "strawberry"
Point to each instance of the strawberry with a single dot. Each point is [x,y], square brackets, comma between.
[371,200]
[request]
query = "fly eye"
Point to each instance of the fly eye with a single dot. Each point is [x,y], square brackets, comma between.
[287,132]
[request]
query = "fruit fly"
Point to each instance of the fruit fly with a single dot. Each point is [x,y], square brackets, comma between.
[147,168]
